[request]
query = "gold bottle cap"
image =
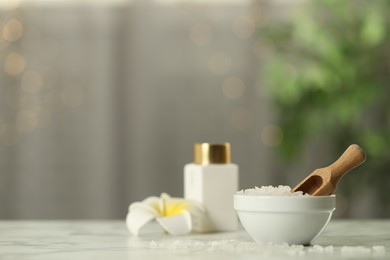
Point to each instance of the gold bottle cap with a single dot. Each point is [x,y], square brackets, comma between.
[205,153]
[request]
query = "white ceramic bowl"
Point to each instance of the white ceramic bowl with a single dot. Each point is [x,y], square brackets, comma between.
[279,219]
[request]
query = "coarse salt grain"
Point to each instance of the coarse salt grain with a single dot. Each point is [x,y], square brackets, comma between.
[320,249]
[271,191]
[378,251]
[329,249]
[264,249]
[355,250]
[316,249]
[153,244]
[230,246]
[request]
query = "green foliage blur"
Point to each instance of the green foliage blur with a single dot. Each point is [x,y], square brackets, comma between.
[329,77]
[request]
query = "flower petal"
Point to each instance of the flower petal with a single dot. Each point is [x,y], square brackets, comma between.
[165,196]
[154,202]
[198,214]
[137,205]
[138,217]
[178,224]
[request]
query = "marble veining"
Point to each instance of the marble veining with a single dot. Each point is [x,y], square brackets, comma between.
[111,240]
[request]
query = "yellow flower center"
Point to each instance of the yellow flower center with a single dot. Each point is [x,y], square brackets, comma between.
[173,207]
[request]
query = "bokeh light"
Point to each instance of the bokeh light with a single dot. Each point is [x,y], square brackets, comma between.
[3,42]
[272,135]
[30,106]
[14,64]
[259,16]
[233,87]
[10,5]
[12,30]
[220,63]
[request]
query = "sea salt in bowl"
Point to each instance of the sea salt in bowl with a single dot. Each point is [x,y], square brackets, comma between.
[282,216]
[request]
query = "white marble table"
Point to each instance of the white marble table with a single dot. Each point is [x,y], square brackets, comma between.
[111,240]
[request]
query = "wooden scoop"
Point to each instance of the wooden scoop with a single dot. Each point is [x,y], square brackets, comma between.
[323,181]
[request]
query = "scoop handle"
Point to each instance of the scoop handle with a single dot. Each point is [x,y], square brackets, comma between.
[351,158]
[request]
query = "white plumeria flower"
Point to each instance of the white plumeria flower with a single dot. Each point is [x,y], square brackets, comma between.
[177,216]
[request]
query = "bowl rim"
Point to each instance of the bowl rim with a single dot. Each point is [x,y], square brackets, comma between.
[256,203]
[285,196]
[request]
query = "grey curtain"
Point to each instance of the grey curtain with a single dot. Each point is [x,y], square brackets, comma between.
[101,103]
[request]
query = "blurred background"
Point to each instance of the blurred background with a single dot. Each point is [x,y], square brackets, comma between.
[101,101]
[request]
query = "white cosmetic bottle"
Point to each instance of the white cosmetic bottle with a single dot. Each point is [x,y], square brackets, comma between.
[212,179]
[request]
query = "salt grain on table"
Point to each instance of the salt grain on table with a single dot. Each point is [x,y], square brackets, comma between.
[229,246]
[264,249]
